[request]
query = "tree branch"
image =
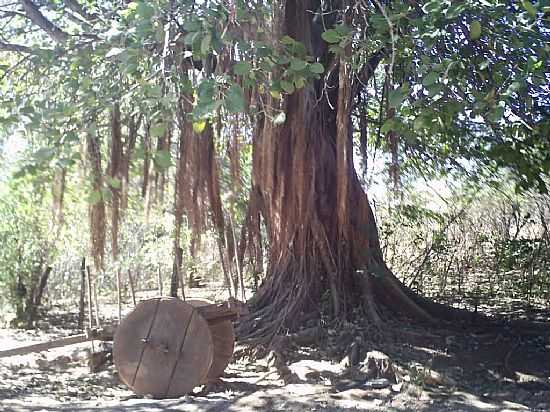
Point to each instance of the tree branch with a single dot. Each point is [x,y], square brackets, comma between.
[34,14]
[11,13]
[367,71]
[77,8]
[14,48]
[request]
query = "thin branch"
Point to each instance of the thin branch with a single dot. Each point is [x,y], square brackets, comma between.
[77,8]
[14,48]
[367,71]
[11,13]
[34,14]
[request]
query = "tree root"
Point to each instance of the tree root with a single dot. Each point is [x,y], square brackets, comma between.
[278,360]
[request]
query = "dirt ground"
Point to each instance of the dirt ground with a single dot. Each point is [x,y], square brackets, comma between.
[452,369]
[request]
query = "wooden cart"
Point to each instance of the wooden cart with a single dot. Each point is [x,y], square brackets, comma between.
[165,347]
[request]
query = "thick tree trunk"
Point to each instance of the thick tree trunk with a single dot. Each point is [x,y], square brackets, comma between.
[322,235]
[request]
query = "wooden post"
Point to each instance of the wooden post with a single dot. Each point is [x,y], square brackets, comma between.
[82,294]
[235,256]
[119,295]
[90,303]
[132,289]
[90,310]
[98,323]
[70,340]
[182,272]
[174,280]
[160,281]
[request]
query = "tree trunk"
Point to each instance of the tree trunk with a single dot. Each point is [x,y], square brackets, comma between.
[82,294]
[35,298]
[97,208]
[115,172]
[322,235]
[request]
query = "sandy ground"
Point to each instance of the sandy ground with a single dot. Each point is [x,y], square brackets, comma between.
[460,375]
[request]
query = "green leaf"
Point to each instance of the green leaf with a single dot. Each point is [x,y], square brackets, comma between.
[145,10]
[331,36]
[287,86]
[199,126]
[206,43]
[430,78]
[497,114]
[342,29]
[242,68]
[387,126]
[113,182]
[158,130]
[115,51]
[287,40]
[396,97]
[276,94]
[163,159]
[528,6]
[94,197]
[432,6]
[514,87]
[299,82]
[189,38]
[297,65]
[106,194]
[484,64]
[44,154]
[279,119]
[234,99]
[475,30]
[192,25]
[316,68]
[434,89]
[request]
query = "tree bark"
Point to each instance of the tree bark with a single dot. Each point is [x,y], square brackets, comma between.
[321,229]
[115,173]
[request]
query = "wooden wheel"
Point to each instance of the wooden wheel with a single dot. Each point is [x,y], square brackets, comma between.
[163,348]
[223,338]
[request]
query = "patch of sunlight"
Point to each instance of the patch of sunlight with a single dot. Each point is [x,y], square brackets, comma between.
[431,351]
[475,402]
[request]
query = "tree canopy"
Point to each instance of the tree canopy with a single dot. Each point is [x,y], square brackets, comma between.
[160,89]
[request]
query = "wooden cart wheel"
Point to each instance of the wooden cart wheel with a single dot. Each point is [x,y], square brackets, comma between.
[163,348]
[223,338]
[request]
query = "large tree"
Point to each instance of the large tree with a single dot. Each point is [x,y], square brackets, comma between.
[438,84]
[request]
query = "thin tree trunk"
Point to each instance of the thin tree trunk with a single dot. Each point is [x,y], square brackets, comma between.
[90,300]
[115,173]
[36,299]
[97,208]
[119,295]
[82,294]
[176,272]
[133,127]
[159,278]
[58,194]
[132,287]
[97,318]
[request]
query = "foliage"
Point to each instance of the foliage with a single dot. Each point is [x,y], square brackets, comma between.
[26,247]
[490,243]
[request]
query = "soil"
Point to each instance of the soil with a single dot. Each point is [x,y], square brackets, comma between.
[449,369]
